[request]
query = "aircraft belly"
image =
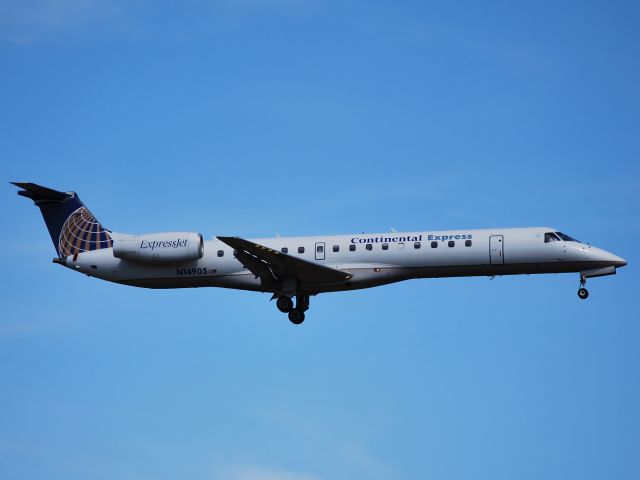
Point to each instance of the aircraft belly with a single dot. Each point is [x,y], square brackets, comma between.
[237,281]
[502,269]
[203,273]
[363,278]
[372,278]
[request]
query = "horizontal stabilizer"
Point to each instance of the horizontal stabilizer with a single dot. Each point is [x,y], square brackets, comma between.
[39,193]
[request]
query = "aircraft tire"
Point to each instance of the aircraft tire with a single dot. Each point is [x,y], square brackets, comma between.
[284,304]
[583,293]
[296,316]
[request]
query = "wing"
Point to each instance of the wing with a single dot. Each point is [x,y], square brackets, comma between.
[271,265]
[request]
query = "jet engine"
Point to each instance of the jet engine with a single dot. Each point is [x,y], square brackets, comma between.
[160,248]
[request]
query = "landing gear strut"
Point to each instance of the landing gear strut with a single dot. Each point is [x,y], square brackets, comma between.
[296,314]
[583,293]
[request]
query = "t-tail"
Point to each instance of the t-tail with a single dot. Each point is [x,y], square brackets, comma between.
[72,227]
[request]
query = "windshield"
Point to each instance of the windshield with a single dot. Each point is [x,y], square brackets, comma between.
[550,237]
[566,237]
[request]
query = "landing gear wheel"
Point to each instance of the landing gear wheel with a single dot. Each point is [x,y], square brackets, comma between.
[284,304]
[583,293]
[296,316]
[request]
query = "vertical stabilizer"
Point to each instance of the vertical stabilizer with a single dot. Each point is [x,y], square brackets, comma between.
[72,227]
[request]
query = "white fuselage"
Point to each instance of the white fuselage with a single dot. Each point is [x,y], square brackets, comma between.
[371,259]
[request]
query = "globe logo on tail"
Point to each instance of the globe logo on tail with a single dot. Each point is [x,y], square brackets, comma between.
[81,232]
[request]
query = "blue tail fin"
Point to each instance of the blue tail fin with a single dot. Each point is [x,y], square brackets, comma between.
[72,227]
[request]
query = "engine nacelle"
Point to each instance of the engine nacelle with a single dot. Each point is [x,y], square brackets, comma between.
[159,248]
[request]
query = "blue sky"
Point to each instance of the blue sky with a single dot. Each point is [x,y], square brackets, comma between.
[253,117]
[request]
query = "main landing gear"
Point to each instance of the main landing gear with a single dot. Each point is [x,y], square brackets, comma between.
[296,314]
[583,293]
[284,304]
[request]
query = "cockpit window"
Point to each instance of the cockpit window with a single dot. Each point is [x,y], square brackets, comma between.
[551,237]
[566,237]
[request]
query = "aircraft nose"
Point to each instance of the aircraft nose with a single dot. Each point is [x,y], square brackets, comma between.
[619,262]
[615,260]
[608,258]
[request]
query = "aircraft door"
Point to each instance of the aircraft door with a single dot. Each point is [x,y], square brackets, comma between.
[496,249]
[319,250]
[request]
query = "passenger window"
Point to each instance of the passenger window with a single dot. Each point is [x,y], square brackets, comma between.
[550,237]
[319,249]
[220,253]
[434,244]
[385,246]
[416,245]
[352,248]
[300,249]
[452,244]
[467,243]
[336,248]
[369,246]
[284,250]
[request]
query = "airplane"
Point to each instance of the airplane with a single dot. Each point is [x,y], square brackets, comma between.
[301,267]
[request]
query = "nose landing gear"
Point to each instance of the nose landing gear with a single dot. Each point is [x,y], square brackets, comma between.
[583,293]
